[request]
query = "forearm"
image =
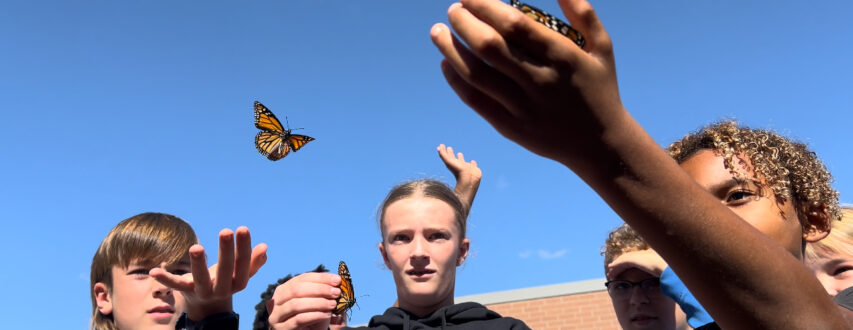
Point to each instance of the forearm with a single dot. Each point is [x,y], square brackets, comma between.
[744,279]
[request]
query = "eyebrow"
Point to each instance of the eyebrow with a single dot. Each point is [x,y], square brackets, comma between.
[728,184]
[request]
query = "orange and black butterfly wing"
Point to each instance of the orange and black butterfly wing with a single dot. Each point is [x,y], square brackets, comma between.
[347,298]
[272,145]
[265,120]
[550,21]
[297,141]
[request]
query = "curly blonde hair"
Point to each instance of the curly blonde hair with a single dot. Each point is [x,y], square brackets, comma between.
[620,241]
[786,167]
[838,242]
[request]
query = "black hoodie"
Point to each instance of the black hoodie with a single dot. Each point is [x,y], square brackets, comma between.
[467,315]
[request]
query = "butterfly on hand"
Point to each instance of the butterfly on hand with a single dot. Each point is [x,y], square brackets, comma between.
[550,21]
[274,141]
[347,298]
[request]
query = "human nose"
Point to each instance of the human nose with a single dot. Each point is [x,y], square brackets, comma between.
[419,250]
[639,296]
[159,289]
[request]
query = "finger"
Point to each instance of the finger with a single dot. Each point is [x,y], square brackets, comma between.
[322,285]
[173,281]
[474,163]
[530,40]
[293,308]
[198,268]
[615,269]
[485,42]
[585,20]
[450,152]
[487,107]
[442,152]
[477,73]
[302,320]
[460,156]
[243,259]
[259,258]
[225,269]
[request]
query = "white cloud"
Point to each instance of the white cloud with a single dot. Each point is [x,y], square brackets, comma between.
[543,254]
[547,255]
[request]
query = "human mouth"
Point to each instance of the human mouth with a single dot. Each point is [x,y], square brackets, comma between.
[643,319]
[420,273]
[162,312]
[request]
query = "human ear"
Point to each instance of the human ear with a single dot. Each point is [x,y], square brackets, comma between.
[103,299]
[384,255]
[463,251]
[817,223]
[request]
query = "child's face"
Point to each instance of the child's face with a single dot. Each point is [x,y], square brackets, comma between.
[777,220]
[138,301]
[835,272]
[422,249]
[640,308]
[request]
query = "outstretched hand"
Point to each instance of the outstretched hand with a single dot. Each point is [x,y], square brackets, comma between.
[209,291]
[467,174]
[534,85]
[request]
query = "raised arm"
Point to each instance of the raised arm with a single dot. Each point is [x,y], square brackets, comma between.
[539,89]
[467,175]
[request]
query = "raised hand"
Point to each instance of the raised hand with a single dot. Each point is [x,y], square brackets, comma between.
[534,85]
[467,174]
[209,290]
[646,260]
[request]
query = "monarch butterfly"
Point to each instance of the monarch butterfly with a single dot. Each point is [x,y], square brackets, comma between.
[273,141]
[347,298]
[550,21]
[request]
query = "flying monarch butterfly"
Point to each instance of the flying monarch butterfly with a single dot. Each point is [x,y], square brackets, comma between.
[550,21]
[273,141]
[347,298]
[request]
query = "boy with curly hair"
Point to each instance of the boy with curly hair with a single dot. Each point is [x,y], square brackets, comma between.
[644,291]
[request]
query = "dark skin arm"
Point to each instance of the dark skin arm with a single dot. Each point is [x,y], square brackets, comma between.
[539,89]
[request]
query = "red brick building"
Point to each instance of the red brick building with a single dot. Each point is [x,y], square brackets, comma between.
[573,305]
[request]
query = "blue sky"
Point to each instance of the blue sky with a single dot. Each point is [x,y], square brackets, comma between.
[114,108]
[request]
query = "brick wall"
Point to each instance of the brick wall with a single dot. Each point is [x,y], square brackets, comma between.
[590,310]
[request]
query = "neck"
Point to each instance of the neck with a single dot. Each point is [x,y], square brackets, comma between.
[420,309]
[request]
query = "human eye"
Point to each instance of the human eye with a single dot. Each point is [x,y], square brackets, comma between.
[138,271]
[399,238]
[650,284]
[739,196]
[620,286]
[842,271]
[180,270]
[438,236]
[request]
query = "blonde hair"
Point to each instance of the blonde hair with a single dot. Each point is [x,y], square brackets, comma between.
[839,240]
[620,241]
[147,237]
[788,168]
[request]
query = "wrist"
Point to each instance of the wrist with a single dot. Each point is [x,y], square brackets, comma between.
[200,312]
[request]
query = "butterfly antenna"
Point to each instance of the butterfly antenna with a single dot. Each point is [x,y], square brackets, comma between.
[288,125]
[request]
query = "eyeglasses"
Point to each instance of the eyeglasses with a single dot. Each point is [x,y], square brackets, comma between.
[619,289]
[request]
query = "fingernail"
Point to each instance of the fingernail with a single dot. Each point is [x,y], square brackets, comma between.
[454,6]
[336,292]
